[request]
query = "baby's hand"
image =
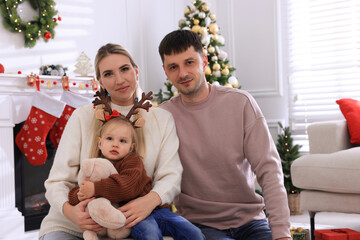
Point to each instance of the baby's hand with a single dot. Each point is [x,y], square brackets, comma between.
[87,190]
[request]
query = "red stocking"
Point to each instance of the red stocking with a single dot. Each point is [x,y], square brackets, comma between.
[32,136]
[72,101]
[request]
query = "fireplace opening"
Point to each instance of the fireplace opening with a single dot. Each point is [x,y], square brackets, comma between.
[29,185]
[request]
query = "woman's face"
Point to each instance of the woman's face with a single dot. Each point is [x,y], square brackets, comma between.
[119,78]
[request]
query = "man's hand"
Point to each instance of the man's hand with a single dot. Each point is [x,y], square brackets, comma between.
[80,217]
[138,209]
[87,190]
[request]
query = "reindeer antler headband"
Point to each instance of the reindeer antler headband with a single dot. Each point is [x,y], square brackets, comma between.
[102,98]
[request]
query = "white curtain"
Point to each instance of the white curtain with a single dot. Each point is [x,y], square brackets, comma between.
[324,60]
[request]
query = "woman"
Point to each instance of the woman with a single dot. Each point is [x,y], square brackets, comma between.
[118,75]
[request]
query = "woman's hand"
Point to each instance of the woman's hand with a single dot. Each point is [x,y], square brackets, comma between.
[140,208]
[80,217]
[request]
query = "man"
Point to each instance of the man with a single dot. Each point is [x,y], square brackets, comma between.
[224,143]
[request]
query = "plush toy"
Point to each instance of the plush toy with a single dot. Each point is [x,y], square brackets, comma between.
[101,210]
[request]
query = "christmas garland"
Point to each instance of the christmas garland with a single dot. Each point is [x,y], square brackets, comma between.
[42,26]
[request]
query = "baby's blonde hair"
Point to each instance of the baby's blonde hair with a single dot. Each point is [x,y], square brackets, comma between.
[116,123]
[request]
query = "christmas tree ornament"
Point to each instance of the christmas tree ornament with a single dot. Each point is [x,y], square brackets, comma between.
[205,7]
[208,71]
[216,67]
[228,85]
[47,35]
[31,138]
[195,28]
[211,49]
[213,28]
[36,27]
[218,74]
[72,102]
[83,65]
[212,16]
[2,69]
[225,72]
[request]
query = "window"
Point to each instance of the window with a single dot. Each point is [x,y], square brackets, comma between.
[323,60]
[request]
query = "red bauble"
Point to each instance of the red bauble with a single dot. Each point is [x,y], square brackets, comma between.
[59,18]
[54,19]
[2,69]
[47,35]
[19,72]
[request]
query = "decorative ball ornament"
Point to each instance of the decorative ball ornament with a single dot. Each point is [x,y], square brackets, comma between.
[211,49]
[187,11]
[47,35]
[205,8]
[212,16]
[203,31]
[217,74]
[233,81]
[195,28]
[228,85]
[2,69]
[196,21]
[216,67]
[213,28]
[225,71]
[34,29]
[208,70]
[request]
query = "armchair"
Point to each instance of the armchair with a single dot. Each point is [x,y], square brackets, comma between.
[330,173]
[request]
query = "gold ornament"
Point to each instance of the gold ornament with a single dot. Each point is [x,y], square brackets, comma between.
[216,67]
[225,71]
[205,52]
[228,85]
[205,8]
[207,71]
[213,28]
[212,16]
[81,86]
[202,30]
[211,49]
[195,28]
[216,37]
[196,21]
[187,11]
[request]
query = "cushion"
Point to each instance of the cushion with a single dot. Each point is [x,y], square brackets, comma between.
[350,108]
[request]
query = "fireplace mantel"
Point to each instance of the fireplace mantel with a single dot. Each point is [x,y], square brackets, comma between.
[15,102]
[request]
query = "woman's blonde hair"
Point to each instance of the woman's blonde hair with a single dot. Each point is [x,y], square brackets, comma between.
[103,52]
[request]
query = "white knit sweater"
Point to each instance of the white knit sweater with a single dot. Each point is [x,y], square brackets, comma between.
[161,162]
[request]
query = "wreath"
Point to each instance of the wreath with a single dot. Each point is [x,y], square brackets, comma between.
[42,26]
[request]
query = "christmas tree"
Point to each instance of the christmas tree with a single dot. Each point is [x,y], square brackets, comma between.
[288,153]
[83,65]
[200,20]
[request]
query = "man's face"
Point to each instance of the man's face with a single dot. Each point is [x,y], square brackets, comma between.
[186,71]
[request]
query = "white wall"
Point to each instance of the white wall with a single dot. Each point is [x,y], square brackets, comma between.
[250,27]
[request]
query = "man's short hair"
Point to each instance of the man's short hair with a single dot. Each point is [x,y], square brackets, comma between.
[179,41]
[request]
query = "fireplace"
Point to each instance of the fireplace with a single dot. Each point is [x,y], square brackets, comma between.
[29,185]
[22,201]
